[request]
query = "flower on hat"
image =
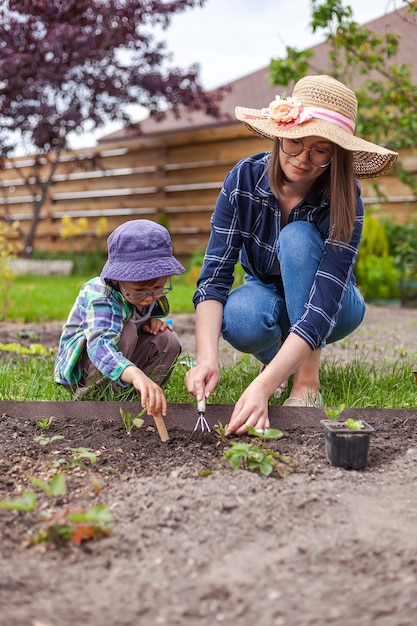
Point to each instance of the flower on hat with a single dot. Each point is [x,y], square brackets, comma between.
[283,110]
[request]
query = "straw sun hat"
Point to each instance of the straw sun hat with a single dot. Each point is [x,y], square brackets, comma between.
[321,106]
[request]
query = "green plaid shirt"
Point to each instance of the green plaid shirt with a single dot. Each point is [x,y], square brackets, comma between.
[96,322]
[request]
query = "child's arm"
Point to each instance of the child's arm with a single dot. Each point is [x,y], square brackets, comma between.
[151,394]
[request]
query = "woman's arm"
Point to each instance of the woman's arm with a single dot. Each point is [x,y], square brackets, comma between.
[252,407]
[202,379]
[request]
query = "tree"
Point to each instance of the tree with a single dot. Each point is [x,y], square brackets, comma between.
[74,65]
[386,93]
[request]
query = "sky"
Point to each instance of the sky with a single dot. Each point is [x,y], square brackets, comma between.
[232,38]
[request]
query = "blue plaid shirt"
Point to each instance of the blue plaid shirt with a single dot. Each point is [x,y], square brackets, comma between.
[245,226]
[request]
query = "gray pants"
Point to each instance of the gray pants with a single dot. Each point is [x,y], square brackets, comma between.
[155,355]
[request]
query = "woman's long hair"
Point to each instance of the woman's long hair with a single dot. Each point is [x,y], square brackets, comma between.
[337,186]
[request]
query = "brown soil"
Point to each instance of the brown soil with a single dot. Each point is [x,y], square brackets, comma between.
[197,543]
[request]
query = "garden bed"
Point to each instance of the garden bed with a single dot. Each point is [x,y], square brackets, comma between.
[195,542]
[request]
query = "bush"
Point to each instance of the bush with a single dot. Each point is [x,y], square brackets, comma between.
[376,273]
[402,239]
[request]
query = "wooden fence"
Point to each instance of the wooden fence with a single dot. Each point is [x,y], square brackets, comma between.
[173,179]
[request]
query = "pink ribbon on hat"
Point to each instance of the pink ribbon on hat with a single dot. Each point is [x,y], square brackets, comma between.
[308,113]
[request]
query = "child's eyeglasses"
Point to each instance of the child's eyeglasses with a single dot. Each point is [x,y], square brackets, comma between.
[141,295]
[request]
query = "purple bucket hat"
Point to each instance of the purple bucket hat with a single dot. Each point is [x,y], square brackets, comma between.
[140,250]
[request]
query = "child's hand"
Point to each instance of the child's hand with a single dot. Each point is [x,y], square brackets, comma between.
[151,395]
[154,325]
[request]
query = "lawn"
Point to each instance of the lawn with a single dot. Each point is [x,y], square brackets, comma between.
[46,298]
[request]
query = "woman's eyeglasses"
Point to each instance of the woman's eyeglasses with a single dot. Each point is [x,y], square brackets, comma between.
[320,157]
[141,295]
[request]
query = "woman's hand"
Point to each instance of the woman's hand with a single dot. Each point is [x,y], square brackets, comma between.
[252,406]
[201,380]
[151,395]
[250,410]
[154,325]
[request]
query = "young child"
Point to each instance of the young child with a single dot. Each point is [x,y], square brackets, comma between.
[113,331]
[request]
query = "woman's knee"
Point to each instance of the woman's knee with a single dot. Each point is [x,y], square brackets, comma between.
[299,240]
[350,316]
[251,322]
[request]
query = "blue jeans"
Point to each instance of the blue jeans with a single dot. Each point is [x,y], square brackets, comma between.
[257,316]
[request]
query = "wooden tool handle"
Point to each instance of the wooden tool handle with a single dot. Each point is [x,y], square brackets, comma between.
[201,405]
[162,429]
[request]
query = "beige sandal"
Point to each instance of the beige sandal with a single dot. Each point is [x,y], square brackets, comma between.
[293,401]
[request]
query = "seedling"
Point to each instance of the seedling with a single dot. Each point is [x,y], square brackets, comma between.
[221,429]
[76,459]
[56,487]
[44,441]
[255,459]
[26,502]
[62,525]
[354,424]
[249,457]
[75,525]
[45,423]
[334,414]
[264,435]
[34,349]
[27,334]
[131,422]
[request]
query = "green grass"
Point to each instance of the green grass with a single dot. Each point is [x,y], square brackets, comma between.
[44,298]
[48,298]
[356,384]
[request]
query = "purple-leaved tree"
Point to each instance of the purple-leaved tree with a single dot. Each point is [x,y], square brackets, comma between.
[74,65]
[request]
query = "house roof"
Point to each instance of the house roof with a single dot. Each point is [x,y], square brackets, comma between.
[254,90]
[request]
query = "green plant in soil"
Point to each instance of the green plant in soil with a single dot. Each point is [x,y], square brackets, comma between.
[66,525]
[266,462]
[42,440]
[335,413]
[45,423]
[266,434]
[61,524]
[220,429]
[33,350]
[354,424]
[131,422]
[77,458]
[26,502]
[56,486]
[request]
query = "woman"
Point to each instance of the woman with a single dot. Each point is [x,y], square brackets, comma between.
[293,217]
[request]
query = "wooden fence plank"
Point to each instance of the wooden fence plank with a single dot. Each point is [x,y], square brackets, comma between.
[174,179]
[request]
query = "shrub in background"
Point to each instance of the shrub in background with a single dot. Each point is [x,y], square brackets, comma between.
[6,275]
[376,273]
[402,239]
